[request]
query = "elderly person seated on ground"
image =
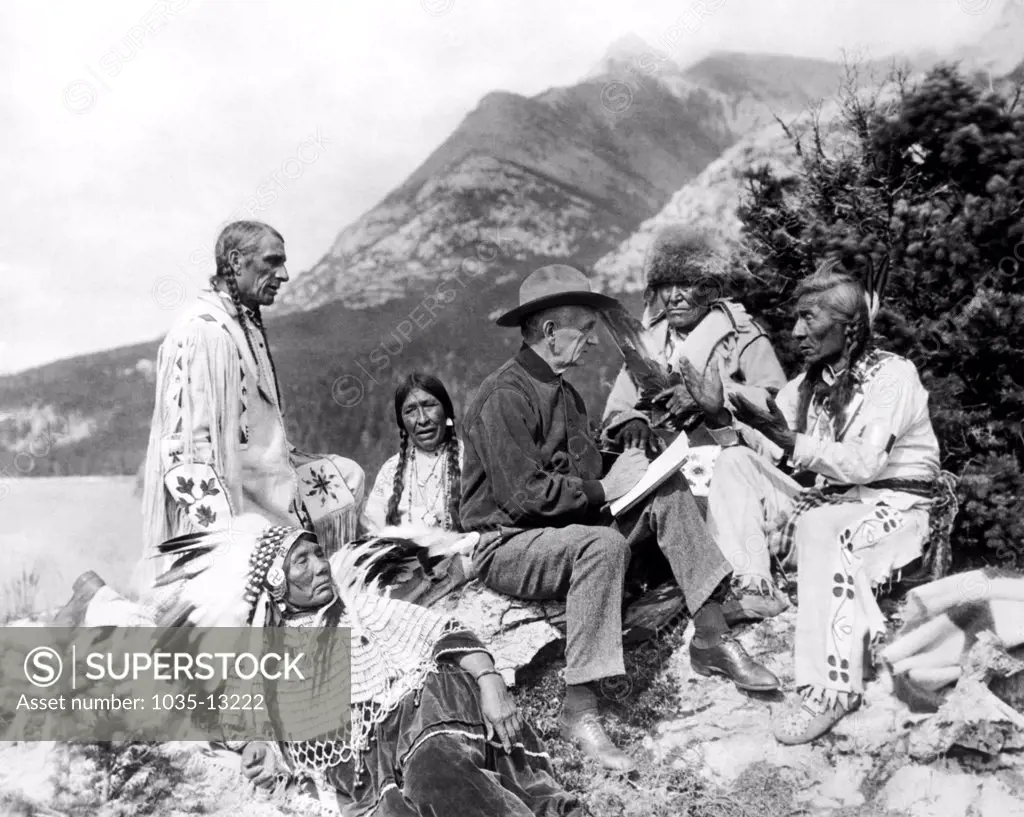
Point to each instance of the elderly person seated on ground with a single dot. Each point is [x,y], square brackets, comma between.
[434,730]
[420,485]
[533,486]
[857,421]
[718,350]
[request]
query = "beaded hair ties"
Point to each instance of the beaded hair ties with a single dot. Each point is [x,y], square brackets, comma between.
[266,568]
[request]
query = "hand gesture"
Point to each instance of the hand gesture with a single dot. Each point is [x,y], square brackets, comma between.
[677,400]
[259,764]
[500,710]
[705,389]
[772,423]
[634,434]
[625,472]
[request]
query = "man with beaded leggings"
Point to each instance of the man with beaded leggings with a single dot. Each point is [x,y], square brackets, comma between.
[218,446]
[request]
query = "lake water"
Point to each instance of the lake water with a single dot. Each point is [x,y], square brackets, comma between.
[54,529]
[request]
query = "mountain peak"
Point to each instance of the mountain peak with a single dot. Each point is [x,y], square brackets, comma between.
[628,47]
[626,52]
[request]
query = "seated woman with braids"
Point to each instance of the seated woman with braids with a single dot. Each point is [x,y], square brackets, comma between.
[420,484]
[413,509]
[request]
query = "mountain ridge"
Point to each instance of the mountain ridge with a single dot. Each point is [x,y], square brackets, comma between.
[557,173]
[607,152]
[583,172]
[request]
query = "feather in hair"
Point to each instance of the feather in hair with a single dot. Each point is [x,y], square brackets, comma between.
[206,585]
[874,288]
[183,543]
[356,567]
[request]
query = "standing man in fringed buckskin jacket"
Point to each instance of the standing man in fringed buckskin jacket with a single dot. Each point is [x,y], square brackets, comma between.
[533,485]
[218,446]
[857,421]
[693,331]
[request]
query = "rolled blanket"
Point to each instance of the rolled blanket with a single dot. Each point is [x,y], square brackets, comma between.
[943,620]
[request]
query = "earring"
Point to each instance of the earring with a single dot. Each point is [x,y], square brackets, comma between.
[449,422]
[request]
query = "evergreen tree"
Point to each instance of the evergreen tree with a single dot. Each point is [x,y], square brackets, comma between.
[929,178]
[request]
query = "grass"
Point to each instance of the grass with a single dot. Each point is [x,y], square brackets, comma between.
[125,779]
[116,780]
[18,595]
[113,780]
[631,710]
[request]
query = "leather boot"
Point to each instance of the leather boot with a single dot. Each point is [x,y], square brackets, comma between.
[585,729]
[85,587]
[728,658]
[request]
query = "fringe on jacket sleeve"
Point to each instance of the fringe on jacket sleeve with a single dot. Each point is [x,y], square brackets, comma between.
[192,463]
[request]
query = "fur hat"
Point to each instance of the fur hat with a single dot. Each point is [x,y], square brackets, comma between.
[681,254]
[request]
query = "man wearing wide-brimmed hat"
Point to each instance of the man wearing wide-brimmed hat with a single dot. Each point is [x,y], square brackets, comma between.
[692,329]
[533,482]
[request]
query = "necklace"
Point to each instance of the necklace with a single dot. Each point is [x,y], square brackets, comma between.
[432,515]
[415,459]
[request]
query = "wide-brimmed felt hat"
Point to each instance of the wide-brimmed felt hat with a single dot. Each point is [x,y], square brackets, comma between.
[554,285]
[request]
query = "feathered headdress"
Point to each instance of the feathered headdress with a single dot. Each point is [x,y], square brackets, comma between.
[236,576]
[232,577]
[379,562]
[219,578]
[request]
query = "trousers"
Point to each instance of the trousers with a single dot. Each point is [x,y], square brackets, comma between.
[585,565]
[843,553]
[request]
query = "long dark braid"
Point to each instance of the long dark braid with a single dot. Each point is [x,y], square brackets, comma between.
[454,479]
[434,387]
[398,485]
[257,318]
[843,295]
[254,314]
[243,236]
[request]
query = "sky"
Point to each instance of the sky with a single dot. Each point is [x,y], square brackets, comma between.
[132,131]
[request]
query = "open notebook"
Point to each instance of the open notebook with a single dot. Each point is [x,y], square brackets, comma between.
[668,463]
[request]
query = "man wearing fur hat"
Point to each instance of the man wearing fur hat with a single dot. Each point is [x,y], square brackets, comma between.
[718,350]
[218,445]
[533,485]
